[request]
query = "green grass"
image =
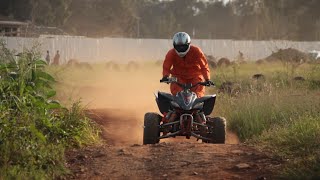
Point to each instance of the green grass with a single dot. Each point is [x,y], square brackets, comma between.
[277,114]
[298,143]
[250,114]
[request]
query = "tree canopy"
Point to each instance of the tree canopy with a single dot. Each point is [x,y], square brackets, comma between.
[238,19]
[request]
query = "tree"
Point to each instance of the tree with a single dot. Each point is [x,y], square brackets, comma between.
[41,12]
[239,19]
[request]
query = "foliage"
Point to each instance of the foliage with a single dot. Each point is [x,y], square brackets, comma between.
[240,19]
[298,142]
[41,12]
[34,129]
[277,114]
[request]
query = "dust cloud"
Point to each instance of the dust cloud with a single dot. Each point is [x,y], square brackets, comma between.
[118,99]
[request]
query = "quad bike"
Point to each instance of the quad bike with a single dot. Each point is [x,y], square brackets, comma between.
[187,116]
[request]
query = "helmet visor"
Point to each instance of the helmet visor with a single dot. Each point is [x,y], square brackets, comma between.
[182,47]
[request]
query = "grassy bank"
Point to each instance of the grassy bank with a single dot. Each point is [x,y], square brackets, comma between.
[276,113]
[35,130]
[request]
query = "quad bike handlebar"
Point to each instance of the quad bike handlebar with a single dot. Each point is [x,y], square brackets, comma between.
[186,86]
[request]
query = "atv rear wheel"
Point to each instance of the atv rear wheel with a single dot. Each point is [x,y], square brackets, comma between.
[151,130]
[217,126]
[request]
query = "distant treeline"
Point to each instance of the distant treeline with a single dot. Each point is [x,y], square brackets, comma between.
[239,19]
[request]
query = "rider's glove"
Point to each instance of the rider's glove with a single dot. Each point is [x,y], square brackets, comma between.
[164,79]
[208,83]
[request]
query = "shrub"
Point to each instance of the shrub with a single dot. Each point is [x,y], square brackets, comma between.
[34,129]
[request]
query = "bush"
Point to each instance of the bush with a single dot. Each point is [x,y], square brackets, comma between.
[34,129]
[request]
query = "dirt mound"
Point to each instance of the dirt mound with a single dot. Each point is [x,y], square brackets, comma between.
[230,88]
[110,65]
[288,55]
[260,61]
[224,62]
[212,64]
[132,65]
[77,64]
[299,78]
[258,76]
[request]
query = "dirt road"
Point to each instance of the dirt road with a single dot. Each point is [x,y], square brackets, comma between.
[123,157]
[119,101]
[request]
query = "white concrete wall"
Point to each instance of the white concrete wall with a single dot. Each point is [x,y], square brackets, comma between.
[123,50]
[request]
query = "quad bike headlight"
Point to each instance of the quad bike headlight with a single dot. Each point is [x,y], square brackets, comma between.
[198,105]
[174,104]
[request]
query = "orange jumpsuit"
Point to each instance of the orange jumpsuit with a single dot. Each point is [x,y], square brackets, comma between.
[192,68]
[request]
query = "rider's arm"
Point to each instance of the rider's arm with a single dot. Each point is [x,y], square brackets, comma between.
[204,67]
[167,64]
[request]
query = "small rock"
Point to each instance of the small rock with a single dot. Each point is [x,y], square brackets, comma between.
[135,145]
[163,144]
[201,152]
[299,78]
[258,76]
[165,175]
[71,161]
[231,160]
[261,178]
[121,152]
[195,173]
[82,170]
[81,157]
[235,177]
[242,166]
[97,173]
[99,154]
[147,159]
[237,152]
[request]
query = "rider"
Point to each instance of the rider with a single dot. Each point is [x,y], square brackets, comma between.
[188,64]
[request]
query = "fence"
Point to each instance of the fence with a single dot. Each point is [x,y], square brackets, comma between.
[123,49]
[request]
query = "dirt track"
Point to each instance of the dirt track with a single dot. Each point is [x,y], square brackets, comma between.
[123,157]
[118,101]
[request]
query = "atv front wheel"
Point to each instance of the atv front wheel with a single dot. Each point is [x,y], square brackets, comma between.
[151,130]
[217,126]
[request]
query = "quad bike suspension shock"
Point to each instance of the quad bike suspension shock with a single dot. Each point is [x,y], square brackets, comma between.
[168,117]
[201,118]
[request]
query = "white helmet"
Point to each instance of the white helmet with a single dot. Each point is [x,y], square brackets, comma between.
[181,43]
